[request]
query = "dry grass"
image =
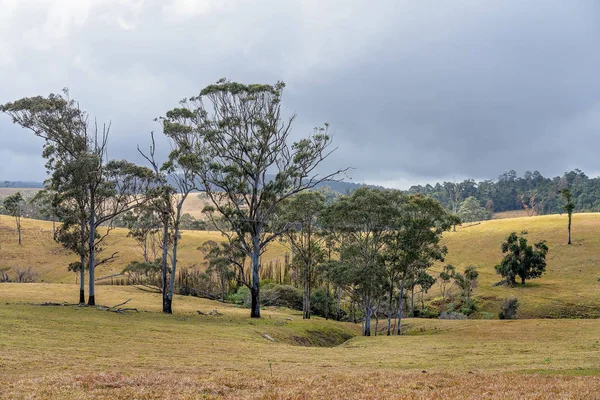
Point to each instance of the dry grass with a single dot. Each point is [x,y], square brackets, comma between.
[50,259]
[510,214]
[77,353]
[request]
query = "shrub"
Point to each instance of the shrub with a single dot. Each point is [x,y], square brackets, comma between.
[241,297]
[452,315]
[25,275]
[322,303]
[281,296]
[508,309]
[426,313]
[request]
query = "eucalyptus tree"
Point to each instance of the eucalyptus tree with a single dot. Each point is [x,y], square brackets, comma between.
[13,205]
[175,179]
[361,221]
[568,206]
[89,189]
[302,212]
[250,165]
[414,245]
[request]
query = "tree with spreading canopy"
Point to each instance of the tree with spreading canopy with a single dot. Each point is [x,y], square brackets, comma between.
[521,260]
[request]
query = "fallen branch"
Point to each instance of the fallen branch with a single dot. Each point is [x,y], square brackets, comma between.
[120,304]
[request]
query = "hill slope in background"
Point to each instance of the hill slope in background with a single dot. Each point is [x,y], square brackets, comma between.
[50,259]
[570,287]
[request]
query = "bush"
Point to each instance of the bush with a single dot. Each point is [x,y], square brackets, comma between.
[25,275]
[281,296]
[452,315]
[426,313]
[322,303]
[468,308]
[508,309]
[241,297]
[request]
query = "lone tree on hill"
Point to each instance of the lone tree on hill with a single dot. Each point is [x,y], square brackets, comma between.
[14,206]
[522,260]
[568,206]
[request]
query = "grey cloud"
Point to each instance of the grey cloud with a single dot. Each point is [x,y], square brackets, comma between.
[414,91]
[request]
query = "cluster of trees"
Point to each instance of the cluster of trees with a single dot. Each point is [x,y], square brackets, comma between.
[532,192]
[372,249]
[226,142]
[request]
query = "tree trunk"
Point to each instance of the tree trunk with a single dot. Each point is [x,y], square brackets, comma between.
[339,300]
[19,230]
[92,257]
[368,313]
[166,303]
[522,281]
[173,265]
[255,291]
[569,228]
[391,295]
[81,280]
[400,306]
[412,301]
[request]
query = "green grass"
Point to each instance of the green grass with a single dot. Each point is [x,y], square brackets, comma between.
[568,289]
[73,352]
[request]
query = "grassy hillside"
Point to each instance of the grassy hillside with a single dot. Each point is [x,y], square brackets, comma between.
[570,288]
[571,285]
[50,260]
[74,353]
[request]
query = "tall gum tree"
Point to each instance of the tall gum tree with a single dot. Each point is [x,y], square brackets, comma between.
[89,190]
[250,165]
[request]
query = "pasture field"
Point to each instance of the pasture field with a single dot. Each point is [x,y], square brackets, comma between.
[70,352]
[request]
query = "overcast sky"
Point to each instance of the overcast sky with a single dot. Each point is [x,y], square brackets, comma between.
[415,91]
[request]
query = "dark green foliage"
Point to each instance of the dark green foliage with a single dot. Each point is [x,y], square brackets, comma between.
[522,260]
[539,195]
[509,308]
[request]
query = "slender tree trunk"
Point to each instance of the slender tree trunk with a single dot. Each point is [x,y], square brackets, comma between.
[165,251]
[368,313]
[569,228]
[81,279]
[339,300]
[390,309]
[53,229]
[18,218]
[173,264]
[92,248]
[412,301]
[400,307]
[255,291]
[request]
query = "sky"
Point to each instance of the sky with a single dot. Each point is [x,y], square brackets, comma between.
[414,91]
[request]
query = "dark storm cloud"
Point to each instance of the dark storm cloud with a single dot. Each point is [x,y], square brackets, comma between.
[414,91]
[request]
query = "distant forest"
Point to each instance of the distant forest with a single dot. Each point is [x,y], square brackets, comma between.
[532,192]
